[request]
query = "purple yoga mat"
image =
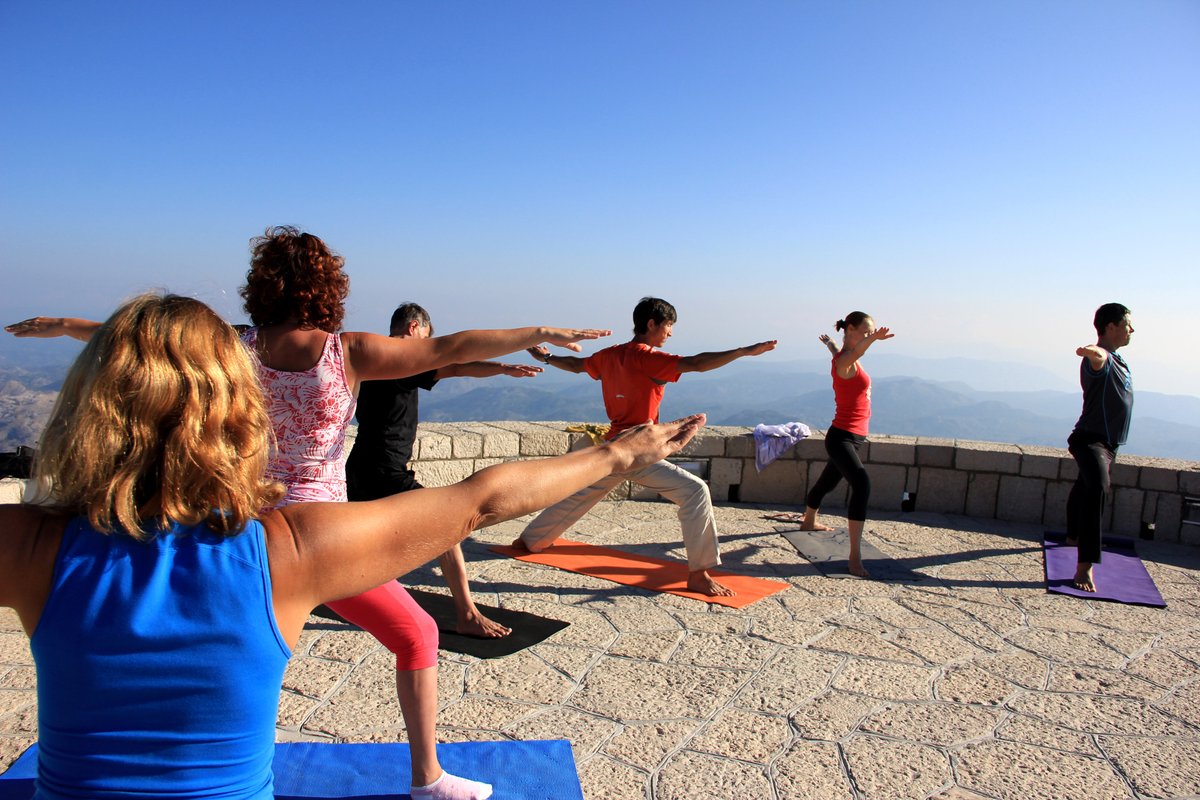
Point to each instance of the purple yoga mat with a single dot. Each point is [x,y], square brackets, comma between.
[1120,577]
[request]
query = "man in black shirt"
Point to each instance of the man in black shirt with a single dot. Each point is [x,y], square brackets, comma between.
[387,427]
[1102,427]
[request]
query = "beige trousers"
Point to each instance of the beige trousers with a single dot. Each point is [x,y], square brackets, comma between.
[675,484]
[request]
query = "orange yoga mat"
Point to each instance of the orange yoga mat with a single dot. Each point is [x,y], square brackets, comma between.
[644,572]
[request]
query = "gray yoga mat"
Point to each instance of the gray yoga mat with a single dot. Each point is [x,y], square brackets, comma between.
[829,550]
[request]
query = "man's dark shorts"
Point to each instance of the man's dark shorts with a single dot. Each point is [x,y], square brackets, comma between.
[373,487]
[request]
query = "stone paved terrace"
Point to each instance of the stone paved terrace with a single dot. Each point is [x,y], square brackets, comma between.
[973,683]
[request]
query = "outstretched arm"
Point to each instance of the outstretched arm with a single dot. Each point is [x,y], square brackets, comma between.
[847,364]
[374,357]
[486,369]
[703,362]
[51,327]
[829,342]
[1095,354]
[566,363]
[324,551]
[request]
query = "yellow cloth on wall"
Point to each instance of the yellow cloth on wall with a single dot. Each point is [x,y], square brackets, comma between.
[595,431]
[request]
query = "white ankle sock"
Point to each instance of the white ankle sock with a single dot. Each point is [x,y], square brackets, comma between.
[451,787]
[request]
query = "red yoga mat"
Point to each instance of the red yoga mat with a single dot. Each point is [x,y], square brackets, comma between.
[644,572]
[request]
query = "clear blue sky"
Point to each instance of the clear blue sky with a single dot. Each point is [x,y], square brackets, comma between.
[977,175]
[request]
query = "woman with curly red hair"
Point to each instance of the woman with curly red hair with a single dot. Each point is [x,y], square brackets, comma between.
[295,292]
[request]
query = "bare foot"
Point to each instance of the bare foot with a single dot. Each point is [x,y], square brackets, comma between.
[700,581]
[476,624]
[1083,580]
[857,569]
[519,544]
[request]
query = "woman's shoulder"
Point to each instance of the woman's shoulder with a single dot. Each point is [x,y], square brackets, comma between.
[29,542]
[20,519]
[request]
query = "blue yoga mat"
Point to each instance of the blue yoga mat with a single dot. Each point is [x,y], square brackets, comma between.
[1120,577]
[537,770]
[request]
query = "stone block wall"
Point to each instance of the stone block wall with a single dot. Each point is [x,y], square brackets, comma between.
[1022,483]
[977,479]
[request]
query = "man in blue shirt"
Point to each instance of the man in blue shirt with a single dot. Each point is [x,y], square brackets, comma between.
[1103,426]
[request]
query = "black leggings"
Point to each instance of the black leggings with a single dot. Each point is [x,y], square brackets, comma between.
[1085,503]
[842,447]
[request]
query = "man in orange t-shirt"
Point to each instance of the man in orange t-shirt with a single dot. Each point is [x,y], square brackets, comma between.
[633,376]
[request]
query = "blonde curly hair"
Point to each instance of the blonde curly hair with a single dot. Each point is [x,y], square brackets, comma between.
[160,419]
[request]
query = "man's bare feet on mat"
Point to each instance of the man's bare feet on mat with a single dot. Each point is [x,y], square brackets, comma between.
[857,569]
[476,624]
[519,544]
[1083,580]
[816,526]
[700,581]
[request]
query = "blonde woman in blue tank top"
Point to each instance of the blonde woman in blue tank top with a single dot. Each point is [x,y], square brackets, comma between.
[161,603]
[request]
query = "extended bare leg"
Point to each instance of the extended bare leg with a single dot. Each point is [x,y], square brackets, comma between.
[856,565]
[417,691]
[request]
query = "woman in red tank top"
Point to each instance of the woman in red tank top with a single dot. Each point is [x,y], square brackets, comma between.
[852,397]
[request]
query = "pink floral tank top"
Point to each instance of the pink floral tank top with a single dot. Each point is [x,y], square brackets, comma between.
[309,411]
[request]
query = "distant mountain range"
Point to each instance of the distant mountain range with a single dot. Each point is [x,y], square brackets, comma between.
[939,403]
[745,393]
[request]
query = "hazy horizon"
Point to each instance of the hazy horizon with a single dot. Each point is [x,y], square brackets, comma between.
[914,397]
[979,177]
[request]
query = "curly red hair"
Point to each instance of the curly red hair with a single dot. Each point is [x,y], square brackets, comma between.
[295,276]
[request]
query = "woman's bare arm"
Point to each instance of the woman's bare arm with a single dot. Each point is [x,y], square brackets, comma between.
[847,363]
[326,551]
[51,327]
[373,357]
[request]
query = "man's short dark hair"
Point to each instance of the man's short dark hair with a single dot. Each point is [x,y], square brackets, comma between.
[407,313]
[652,308]
[1109,314]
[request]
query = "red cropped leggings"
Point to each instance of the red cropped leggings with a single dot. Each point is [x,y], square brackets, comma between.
[389,613]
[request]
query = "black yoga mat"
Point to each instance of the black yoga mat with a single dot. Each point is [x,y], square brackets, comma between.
[527,629]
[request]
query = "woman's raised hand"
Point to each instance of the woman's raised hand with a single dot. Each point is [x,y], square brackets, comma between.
[50,327]
[648,443]
[38,327]
[568,337]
